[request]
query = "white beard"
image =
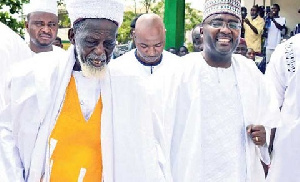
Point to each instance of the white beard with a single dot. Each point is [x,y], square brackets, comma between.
[90,71]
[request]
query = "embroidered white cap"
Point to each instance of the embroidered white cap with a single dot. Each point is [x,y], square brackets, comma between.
[222,6]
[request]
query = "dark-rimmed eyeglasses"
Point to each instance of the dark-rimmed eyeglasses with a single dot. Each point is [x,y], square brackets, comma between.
[220,24]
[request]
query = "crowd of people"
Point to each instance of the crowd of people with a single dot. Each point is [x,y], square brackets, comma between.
[150,115]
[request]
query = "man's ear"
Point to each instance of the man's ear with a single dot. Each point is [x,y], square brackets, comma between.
[201,30]
[133,34]
[26,24]
[71,36]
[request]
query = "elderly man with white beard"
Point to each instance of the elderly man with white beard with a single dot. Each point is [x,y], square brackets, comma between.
[62,108]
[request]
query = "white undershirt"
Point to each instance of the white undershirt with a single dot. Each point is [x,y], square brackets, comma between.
[88,90]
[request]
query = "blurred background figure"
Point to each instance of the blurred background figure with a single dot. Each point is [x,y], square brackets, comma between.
[172,50]
[244,15]
[241,48]
[131,44]
[182,51]
[57,42]
[274,25]
[197,37]
[254,27]
[250,54]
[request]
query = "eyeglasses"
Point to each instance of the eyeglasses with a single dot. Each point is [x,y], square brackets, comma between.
[220,24]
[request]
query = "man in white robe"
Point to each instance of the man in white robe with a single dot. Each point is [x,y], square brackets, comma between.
[283,73]
[129,150]
[133,72]
[149,56]
[13,49]
[222,107]
[42,25]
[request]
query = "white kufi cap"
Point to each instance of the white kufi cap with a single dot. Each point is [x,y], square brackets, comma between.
[106,9]
[48,6]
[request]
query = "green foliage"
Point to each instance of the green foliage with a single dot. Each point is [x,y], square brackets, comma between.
[147,4]
[64,20]
[8,17]
[190,47]
[192,17]
[124,30]
[159,9]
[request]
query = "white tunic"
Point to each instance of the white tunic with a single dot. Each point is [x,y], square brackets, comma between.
[283,72]
[128,64]
[12,49]
[224,151]
[130,81]
[208,141]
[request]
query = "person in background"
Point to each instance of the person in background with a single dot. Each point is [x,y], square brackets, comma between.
[57,42]
[197,38]
[254,27]
[241,48]
[250,54]
[131,44]
[42,25]
[182,51]
[149,55]
[244,15]
[274,25]
[172,50]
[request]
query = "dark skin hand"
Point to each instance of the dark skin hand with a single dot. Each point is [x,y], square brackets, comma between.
[275,22]
[257,134]
[251,26]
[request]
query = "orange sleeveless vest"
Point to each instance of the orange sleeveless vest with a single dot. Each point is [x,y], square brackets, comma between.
[77,153]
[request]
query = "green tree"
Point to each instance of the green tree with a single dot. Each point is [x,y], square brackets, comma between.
[8,17]
[192,17]
[124,30]
[147,4]
[159,9]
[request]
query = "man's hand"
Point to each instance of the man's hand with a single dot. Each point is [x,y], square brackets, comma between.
[257,133]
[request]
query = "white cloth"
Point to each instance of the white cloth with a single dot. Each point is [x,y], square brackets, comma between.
[129,65]
[193,106]
[132,106]
[13,49]
[48,6]
[283,72]
[130,150]
[274,34]
[231,152]
[269,53]
[56,50]
[88,90]
[106,9]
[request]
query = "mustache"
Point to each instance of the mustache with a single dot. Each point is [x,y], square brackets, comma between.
[47,34]
[92,57]
[222,35]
